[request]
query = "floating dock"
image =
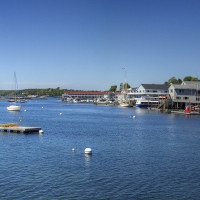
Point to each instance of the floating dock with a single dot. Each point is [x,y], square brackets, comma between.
[14,128]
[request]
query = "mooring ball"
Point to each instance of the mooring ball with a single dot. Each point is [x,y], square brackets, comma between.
[88,151]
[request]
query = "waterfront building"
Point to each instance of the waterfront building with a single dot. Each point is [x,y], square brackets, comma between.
[70,94]
[148,94]
[188,92]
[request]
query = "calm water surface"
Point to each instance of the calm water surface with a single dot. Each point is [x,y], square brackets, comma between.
[152,156]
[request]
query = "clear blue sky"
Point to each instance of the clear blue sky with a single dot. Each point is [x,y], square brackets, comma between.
[83,44]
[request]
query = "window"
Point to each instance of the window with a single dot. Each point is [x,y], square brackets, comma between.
[154,90]
[171,90]
[185,98]
[181,91]
[178,97]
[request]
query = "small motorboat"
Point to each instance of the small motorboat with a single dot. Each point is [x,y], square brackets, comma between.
[14,108]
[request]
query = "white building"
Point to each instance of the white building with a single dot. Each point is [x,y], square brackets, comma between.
[148,94]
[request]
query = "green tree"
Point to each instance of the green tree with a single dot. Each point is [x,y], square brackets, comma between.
[188,78]
[180,81]
[113,88]
[173,80]
[123,86]
[127,85]
[194,79]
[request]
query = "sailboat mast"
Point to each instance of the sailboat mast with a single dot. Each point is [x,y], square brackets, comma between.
[16,86]
[124,84]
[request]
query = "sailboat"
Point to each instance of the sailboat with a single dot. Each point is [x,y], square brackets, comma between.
[14,107]
[124,102]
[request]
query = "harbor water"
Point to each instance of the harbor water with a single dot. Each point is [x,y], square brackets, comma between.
[149,156]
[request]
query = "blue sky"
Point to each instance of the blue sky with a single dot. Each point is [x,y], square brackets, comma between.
[84,44]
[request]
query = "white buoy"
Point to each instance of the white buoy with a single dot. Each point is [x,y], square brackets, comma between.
[42,107]
[41,131]
[88,151]
[24,110]
[73,149]
[60,113]
[134,116]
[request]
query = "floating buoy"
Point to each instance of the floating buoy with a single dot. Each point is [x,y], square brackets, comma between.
[60,113]
[42,107]
[41,131]
[73,149]
[24,110]
[134,116]
[88,151]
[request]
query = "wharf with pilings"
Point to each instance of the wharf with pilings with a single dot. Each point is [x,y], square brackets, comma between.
[14,128]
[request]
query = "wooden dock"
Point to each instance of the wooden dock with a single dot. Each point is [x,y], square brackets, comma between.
[18,129]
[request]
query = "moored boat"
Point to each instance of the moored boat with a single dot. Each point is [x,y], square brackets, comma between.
[191,110]
[125,104]
[14,108]
[143,103]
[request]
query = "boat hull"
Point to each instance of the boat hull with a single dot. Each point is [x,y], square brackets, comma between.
[141,105]
[125,105]
[14,108]
[144,104]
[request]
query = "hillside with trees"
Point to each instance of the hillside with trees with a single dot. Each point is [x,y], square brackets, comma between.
[53,92]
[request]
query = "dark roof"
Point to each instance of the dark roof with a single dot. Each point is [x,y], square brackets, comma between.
[85,92]
[156,86]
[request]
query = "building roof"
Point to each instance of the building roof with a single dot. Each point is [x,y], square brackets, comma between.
[69,92]
[190,82]
[156,86]
[188,86]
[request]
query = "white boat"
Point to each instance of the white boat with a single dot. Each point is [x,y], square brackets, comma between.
[146,103]
[75,100]
[124,102]
[15,106]
[21,101]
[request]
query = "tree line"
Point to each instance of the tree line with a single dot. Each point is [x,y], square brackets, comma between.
[57,92]
[53,92]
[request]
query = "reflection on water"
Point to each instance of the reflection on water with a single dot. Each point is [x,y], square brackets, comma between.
[88,158]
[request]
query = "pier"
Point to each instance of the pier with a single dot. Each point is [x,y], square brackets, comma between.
[14,128]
